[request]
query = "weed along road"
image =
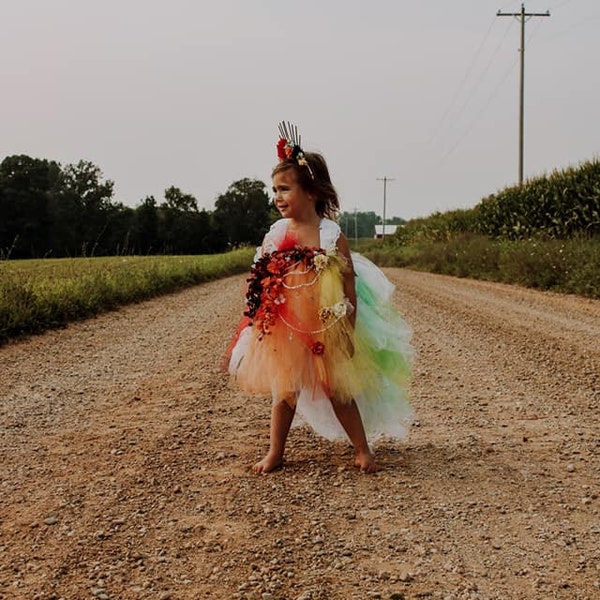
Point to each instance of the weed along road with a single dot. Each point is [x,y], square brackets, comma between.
[125,460]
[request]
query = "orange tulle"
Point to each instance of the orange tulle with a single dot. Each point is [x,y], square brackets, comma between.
[302,348]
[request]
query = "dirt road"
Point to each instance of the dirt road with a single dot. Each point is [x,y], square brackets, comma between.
[125,454]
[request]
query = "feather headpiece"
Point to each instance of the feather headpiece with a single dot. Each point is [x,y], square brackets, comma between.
[289,146]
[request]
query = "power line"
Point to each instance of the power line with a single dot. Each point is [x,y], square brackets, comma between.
[471,95]
[523,16]
[461,84]
[479,114]
[580,23]
[561,4]
[481,76]
[536,28]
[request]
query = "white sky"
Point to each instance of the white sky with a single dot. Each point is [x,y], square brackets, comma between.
[189,92]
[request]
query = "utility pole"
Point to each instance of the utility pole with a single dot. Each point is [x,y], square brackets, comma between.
[355,227]
[385,180]
[523,16]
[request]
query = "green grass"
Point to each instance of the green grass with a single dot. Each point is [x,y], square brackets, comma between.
[567,266]
[36,295]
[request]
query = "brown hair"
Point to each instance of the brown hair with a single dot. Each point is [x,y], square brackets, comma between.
[319,184]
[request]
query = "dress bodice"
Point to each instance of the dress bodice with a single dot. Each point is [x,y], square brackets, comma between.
[329,232]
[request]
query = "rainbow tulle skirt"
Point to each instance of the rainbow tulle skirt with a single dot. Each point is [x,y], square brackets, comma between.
[306,348]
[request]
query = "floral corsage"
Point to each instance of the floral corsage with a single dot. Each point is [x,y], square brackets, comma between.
[266,283]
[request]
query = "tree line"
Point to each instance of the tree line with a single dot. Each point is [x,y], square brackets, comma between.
[356,225]
[51,210]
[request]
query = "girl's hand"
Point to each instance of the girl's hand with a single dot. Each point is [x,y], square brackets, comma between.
[349,289]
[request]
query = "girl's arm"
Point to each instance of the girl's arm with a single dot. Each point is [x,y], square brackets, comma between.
[349,288]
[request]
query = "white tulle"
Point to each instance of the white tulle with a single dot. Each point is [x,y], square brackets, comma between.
[389,413]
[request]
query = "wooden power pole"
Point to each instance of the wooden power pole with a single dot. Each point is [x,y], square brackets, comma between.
[522,16]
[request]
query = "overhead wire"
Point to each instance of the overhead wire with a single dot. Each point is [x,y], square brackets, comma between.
[581,22]
[535,29]
[482,75]
[561,4]
[479,114]
[474,90]
[574,25]
[461,85]
[491,97]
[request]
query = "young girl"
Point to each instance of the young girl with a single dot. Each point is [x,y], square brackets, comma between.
[319,334]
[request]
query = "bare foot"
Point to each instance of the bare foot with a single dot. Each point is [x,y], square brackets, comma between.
[365,461]
[267,464]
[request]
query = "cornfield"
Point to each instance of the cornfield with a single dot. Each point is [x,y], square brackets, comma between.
[562,205]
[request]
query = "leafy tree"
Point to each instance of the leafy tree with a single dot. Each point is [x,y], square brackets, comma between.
[27,188]
[242,213]
[49,210]
[147,237]
[90,204]
[396,221]
[175,199]
[179,222]
[120,235]
[362,224]
[359,224]
[84,180]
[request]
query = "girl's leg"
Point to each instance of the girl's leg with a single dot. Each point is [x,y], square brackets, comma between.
[282,415]
[349,417]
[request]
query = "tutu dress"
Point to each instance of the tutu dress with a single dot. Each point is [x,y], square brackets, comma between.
[296,338]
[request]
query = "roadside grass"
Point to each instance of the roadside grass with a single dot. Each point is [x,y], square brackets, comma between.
[36,295]
[567,266]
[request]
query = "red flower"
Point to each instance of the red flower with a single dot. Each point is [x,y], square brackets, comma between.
[318,348]
[281,149]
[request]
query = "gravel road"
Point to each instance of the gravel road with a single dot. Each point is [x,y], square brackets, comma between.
[125,455]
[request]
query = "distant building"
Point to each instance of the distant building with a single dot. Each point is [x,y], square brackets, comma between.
[389,230]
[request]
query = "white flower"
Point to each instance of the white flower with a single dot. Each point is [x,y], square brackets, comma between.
[333,313]
[339,309]
[320,262]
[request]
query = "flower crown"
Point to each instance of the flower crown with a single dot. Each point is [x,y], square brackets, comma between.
[289,148]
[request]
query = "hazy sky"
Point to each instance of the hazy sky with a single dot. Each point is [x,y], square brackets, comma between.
[189,92]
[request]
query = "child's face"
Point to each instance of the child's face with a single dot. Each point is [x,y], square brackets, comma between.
[290,199]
